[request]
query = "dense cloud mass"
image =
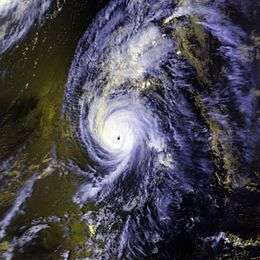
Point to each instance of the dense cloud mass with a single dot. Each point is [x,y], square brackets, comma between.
[16,19]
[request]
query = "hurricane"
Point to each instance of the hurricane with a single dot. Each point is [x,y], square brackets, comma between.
[16,19]
[129,129]
[150,123]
